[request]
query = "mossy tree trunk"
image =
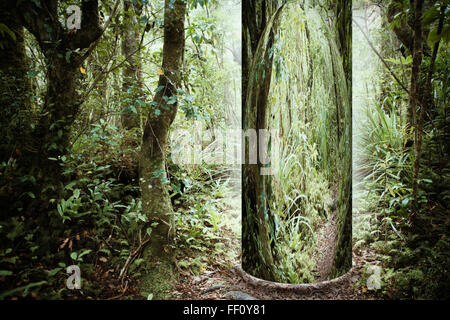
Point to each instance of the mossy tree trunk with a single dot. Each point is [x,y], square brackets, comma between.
[260,20]
[156,204]
[343,249]
[14,87]
[415,96]
[61,102]
[132,72]
[15,91]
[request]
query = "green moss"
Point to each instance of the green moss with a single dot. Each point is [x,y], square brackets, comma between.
[158,278]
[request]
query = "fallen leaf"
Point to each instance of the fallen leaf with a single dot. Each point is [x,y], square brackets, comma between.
[64,243]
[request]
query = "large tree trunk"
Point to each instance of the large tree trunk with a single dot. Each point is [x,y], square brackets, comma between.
[132,72]
[156,204]
[14,101]
[61,105]
[51,136]
[343,249]
[260,20]
[14,86]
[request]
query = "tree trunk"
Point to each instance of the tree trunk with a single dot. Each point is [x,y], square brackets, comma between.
[260,19]
[156,204]
[14,85]
[132,72]
[426,100]
[414,93]
[15,92]
[61,105]
[51,137]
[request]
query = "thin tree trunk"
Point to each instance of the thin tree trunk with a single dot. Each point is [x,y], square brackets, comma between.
[156,204]
[132,72]
[427,101]
[414,93]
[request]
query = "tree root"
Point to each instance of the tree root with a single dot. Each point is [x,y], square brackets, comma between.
[298,288]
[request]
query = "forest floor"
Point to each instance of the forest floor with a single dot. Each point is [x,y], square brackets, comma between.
[228,284]
[326,245]
[222,279]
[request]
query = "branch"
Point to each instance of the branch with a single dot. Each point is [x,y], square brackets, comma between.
[94,45]
[90,27]
[41,21]
[381,58]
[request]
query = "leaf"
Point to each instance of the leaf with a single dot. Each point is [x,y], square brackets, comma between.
[433,37]
[85,252]
[172,100]
[25,288]
[391,191]
[133,109]
[5,273]
[64,243]
[160,88]
[51,273]
[150,296]
[4,29]
[183,264]
[68,54]
[82,70]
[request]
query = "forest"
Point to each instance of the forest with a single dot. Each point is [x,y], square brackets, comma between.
[124,176]
[298,84]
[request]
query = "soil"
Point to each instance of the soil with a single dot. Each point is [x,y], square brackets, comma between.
[217,284]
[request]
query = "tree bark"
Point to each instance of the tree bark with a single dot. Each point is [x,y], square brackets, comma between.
[260,20]
[343,248]
[51,137]
[15,91]
[414,92]
[426,102]
[156,204]
[14,85]
[132,72]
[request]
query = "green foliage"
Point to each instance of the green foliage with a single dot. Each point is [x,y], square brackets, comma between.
[310,106]
[414,257]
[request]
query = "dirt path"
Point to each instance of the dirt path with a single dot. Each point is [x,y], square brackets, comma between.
[327,237]
[223,277]
[327,243]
